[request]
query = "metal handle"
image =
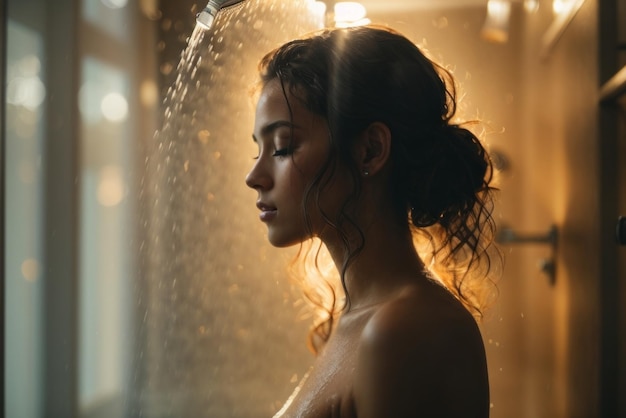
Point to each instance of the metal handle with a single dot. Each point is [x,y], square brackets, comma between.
[507,235]
[510,236]
[620,230]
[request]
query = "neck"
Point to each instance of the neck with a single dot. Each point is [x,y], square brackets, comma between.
[386,263]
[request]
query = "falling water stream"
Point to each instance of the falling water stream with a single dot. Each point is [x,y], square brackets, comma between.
[217,330]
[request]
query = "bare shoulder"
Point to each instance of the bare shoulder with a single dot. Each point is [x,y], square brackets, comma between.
[421,316]
[421,354]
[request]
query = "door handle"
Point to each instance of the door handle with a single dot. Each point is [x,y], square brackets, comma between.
[620,230]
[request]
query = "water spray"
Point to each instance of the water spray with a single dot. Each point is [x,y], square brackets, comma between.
[206,17]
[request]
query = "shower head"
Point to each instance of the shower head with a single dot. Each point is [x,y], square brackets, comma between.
[206,17]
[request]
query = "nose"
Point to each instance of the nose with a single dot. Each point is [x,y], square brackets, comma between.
[258,178]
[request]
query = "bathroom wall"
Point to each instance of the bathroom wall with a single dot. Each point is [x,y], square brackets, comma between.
[554,349]
[564,150]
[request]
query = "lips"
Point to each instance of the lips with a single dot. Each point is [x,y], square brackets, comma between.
[268,212]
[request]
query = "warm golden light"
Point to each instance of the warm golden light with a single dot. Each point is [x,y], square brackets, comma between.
[111,186]
[149,93]
[350,13]
[531,6]
[318,9]
[496,27]
[561,6]
[360,22]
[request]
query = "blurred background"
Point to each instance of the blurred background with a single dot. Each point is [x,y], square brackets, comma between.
[137,280]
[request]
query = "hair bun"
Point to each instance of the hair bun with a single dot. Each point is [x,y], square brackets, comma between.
[449,177]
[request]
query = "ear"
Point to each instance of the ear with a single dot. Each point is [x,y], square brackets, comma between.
[373,148]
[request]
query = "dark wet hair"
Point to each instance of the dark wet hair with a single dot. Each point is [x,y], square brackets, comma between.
[441,173]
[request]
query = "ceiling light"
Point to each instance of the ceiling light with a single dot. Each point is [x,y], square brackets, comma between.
[531,6]
[496,27]
[350,13]
[561,6]
[318,10]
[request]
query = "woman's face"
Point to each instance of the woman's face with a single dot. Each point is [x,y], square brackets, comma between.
[292,149]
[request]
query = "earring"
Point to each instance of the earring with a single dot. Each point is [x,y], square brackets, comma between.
[366,173]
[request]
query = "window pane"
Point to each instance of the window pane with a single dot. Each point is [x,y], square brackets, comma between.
[109,15]
[106,279]
[24,139]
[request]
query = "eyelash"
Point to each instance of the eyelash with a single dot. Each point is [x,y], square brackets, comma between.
[283,152]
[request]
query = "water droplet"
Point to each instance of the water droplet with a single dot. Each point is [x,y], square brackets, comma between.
[203,136]
[441,23]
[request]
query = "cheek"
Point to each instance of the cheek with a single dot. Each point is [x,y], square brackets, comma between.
[295,180]
[302,172]
[308,164]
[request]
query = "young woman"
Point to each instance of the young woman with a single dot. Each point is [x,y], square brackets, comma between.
[357,148]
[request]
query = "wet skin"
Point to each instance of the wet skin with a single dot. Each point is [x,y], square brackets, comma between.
[419,354]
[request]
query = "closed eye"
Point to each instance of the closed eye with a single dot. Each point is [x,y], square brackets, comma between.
[282,152]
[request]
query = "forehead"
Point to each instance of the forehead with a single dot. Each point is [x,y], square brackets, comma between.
[275,104]
[272,98]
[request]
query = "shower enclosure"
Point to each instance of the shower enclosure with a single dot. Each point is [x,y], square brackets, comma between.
[137,279]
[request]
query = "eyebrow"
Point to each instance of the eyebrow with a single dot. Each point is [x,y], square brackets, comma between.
[272,127]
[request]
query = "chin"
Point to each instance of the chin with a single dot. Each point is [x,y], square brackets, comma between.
[283,241]
[278,243]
